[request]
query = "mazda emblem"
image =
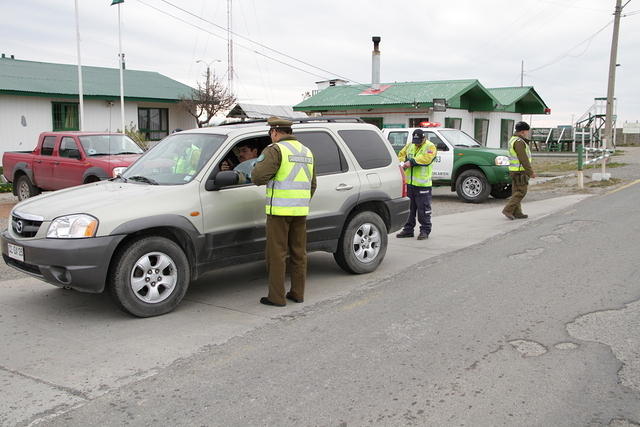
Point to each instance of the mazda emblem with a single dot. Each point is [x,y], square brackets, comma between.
[19,226]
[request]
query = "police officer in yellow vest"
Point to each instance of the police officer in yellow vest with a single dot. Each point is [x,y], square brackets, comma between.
[416,158]
[287,168]
[520,170]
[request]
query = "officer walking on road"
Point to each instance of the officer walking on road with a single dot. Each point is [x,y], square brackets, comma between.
[416,158]
[287,168]
[520,170]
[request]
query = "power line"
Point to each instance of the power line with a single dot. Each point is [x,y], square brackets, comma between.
[567,53]
[403,100]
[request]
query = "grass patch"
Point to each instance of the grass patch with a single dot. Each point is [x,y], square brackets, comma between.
[559,166]
[607,183]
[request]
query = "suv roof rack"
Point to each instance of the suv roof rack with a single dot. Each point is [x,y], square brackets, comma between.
[329,119]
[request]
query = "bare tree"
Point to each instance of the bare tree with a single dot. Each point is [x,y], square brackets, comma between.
[208,99]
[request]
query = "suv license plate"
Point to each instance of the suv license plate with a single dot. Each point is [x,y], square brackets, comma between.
[16,252]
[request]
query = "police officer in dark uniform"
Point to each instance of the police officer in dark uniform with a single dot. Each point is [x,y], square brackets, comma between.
[520,170]
[287,168]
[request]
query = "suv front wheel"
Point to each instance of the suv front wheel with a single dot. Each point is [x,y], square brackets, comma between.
[150,276]
[363,243]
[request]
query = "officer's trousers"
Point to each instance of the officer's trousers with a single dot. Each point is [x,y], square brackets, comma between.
[286,235]
[519,187]
[421,205]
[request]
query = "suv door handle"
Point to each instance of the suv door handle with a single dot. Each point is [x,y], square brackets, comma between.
[344,187]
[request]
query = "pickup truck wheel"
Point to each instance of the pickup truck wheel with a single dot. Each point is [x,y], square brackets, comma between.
[25,189]
[472,186]
[150,276]
[501,191]
[363,244]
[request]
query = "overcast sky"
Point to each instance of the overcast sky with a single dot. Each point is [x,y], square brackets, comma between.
[565,58]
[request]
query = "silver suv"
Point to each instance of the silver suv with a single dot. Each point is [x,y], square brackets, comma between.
[174,215]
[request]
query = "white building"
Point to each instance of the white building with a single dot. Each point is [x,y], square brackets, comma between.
[487,114]
[37,96]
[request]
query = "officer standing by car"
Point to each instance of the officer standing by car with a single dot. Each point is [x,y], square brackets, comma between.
[416,158]
[287,168]
[520,170]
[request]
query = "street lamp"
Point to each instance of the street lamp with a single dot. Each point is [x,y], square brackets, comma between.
[208,66]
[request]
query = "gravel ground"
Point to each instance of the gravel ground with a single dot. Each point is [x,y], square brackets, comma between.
[446,202]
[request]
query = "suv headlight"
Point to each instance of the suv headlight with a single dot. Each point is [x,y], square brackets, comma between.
[73,227]
[118,171]
[502,161]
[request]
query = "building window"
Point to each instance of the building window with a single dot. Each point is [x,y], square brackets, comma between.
[153,123]
[481,130]
[415,122]
[453,122]
[506,130]
[65,116]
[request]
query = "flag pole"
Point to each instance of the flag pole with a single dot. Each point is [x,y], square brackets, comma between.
[80,90]
[121,66]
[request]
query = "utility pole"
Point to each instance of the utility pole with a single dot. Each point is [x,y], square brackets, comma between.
[229,46]
[608,124]
[80,90]
[522,73]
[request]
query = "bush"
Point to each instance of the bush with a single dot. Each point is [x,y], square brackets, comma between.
[5,187]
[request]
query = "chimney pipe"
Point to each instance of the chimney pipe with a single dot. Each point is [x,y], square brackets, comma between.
[375,64]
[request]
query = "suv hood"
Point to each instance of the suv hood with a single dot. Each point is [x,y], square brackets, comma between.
[108,199]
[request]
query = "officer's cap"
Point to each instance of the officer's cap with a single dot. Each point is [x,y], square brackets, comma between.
[520,126]
[277,122]
[418,136]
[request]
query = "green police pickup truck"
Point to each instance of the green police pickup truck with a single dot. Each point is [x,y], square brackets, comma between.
[470,169]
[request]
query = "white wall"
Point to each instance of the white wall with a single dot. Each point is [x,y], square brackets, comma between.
[17,134]
[402,116]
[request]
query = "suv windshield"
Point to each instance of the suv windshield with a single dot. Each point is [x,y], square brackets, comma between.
[457,138]
[177,159]
[102,145]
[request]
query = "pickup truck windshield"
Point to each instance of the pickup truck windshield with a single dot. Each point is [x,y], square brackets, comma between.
[457,138]
[176,160]
[103,145]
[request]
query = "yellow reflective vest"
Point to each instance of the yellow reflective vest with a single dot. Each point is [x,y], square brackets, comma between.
[419,175]
[187,163]
[514,162]
[289,191]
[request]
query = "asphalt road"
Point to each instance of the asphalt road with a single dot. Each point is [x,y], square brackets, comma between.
[537,326]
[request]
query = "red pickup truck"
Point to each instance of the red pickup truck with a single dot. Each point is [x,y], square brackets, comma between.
[65,159]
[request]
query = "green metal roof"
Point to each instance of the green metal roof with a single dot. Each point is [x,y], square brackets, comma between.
[523,100]
[61,80]
[467,94]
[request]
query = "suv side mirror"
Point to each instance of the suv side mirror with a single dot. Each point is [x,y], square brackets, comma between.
[221,179]
[441,146]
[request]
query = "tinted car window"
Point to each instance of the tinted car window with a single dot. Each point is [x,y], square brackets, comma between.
[369,148]
[326,154]
[439,143]
[47,145]
[68,147]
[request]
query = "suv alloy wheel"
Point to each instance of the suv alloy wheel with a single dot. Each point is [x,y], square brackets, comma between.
[363,243]
[150,276]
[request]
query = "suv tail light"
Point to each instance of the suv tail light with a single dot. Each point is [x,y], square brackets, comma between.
[404,182]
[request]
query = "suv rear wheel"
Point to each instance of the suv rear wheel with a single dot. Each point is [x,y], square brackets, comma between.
[363,243]
[150,276]
[472,186]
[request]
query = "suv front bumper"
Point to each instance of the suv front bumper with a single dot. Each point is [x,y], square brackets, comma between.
[80,264]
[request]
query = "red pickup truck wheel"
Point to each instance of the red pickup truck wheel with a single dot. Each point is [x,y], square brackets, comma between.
[25,189]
